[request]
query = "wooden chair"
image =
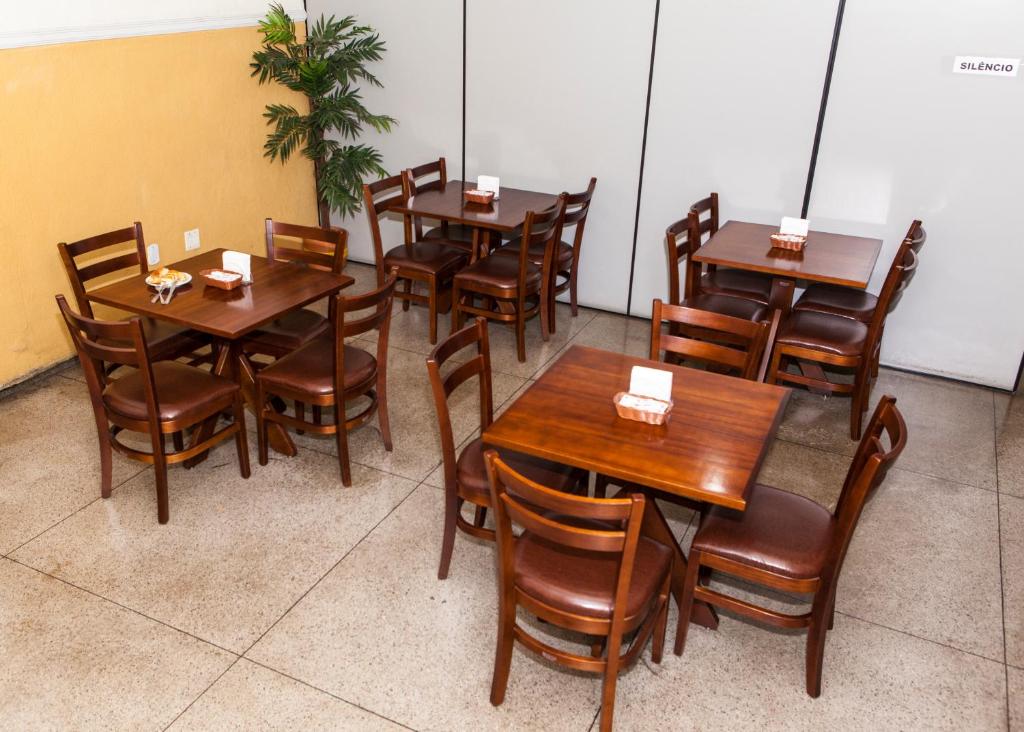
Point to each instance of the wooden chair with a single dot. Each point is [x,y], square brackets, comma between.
[513,288]
[580,564]
[834,340]
[327,373]
[157,399]
[682,240]
[312,247]
[791,544]
[847,301]
[465,477]
[164,341]
[715,281]
[567,256]
[431,263]
[457,235]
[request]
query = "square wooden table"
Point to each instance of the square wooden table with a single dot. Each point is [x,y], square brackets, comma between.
[503,215]
[711,449]
[835,259]
[227,315]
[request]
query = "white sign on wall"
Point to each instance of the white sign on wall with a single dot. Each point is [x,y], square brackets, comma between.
[985,65]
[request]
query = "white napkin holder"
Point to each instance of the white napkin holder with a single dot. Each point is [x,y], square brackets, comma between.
[649,398]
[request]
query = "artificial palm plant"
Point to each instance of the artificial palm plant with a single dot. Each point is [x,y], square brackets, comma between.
[326,67]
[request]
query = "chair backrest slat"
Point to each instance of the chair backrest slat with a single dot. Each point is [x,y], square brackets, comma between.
[322,249]
[413,185]
[80,276]
[541,229]
[392,191]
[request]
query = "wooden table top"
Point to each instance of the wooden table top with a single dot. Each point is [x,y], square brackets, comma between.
[277,288]
[837,259]
[711,448]
[505,214]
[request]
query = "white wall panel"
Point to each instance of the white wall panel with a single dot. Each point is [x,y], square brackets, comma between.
[555,95]
[422,76]
[905,138]
[734,106]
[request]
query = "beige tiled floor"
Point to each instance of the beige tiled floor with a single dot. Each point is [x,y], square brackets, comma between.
[288,602]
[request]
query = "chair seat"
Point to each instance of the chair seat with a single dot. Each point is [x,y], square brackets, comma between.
[843,301]
[738,283]
[736,307]
[583,582]
[822,332]
[498,272]
[182,392]
[310,369]
[779,532]
[288,332]
[472,475]
[428,257]
[456,233]
[536,253]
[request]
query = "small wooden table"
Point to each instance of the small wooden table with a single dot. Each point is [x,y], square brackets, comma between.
[503,215]
[227,315]
[710,450]
[835,259]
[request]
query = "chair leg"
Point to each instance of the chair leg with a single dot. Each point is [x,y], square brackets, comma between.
[480,517]
[300,414]
[383,418]
[341,436]
[261,425]
[432,310]
[503,652]
[318,414]
[521,337]
[600,486]
[178,440]
[658,642]
[163,509]
[773,370]
[816,649]
[611,679]
[456,313]
[407,289]
[241,439]
[858,405]
[572,289]
[545,317]
[106,464]
[452,505]
[686,601]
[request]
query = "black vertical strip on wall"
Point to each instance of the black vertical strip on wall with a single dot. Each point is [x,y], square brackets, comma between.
[643,156]
[1020,374]
[463,176]
[821,108]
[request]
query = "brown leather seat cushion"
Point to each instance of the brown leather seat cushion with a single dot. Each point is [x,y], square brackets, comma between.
[429,257]
[455,233]
[843,301]
[583,582]
[779,531]
[536,255]
[472,475]
[289,331]
[737,307]
[822,332]
[181,391]
[310,369]
[738,283]
[498,271]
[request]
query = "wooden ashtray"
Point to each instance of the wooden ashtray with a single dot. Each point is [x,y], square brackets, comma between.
[476,196]
[225,279]
[792,242]
[639,414]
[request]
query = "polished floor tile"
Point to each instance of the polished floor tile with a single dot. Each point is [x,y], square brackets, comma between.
[1010,443]
[1016,690]
[1011,522]
[250,696]
[236,553]
[74,661]
[49,458]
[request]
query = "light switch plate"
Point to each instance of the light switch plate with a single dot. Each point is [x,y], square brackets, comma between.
[153,254]
[191,239]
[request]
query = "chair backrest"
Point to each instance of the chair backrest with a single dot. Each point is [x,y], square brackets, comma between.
[317,248]
[901,272]
[411,178]
[577,206]
[677,246]
[80,276]
[917,235]
[473,335]
[378,197]
[541,229]
[710,338]
[565,520]
[868,469]
[379,303]
[119,342]
[706,225]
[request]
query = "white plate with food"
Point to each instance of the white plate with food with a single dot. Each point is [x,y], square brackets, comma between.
[166,276]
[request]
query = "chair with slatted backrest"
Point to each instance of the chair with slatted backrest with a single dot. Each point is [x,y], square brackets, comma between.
[847,343]
[329,374]
[457,235]
[431,263]
[83,266]
[790,544]
[156,399]
[465,477]
[580,564]
[511,287]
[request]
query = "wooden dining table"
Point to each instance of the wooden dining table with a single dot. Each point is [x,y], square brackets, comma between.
[710,450]
[228,315]
[504,215]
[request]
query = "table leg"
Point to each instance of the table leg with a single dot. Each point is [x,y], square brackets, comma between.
[474,247]
[655,527]
[781,297]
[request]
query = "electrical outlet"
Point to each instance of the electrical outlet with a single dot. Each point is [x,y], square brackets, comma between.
[191,239]
[153,255]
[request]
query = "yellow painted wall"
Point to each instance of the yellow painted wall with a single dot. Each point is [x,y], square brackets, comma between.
[167,130]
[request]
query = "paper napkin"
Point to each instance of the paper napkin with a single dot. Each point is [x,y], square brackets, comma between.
[238,262]
[794,226]
[653,383]
[488,183]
